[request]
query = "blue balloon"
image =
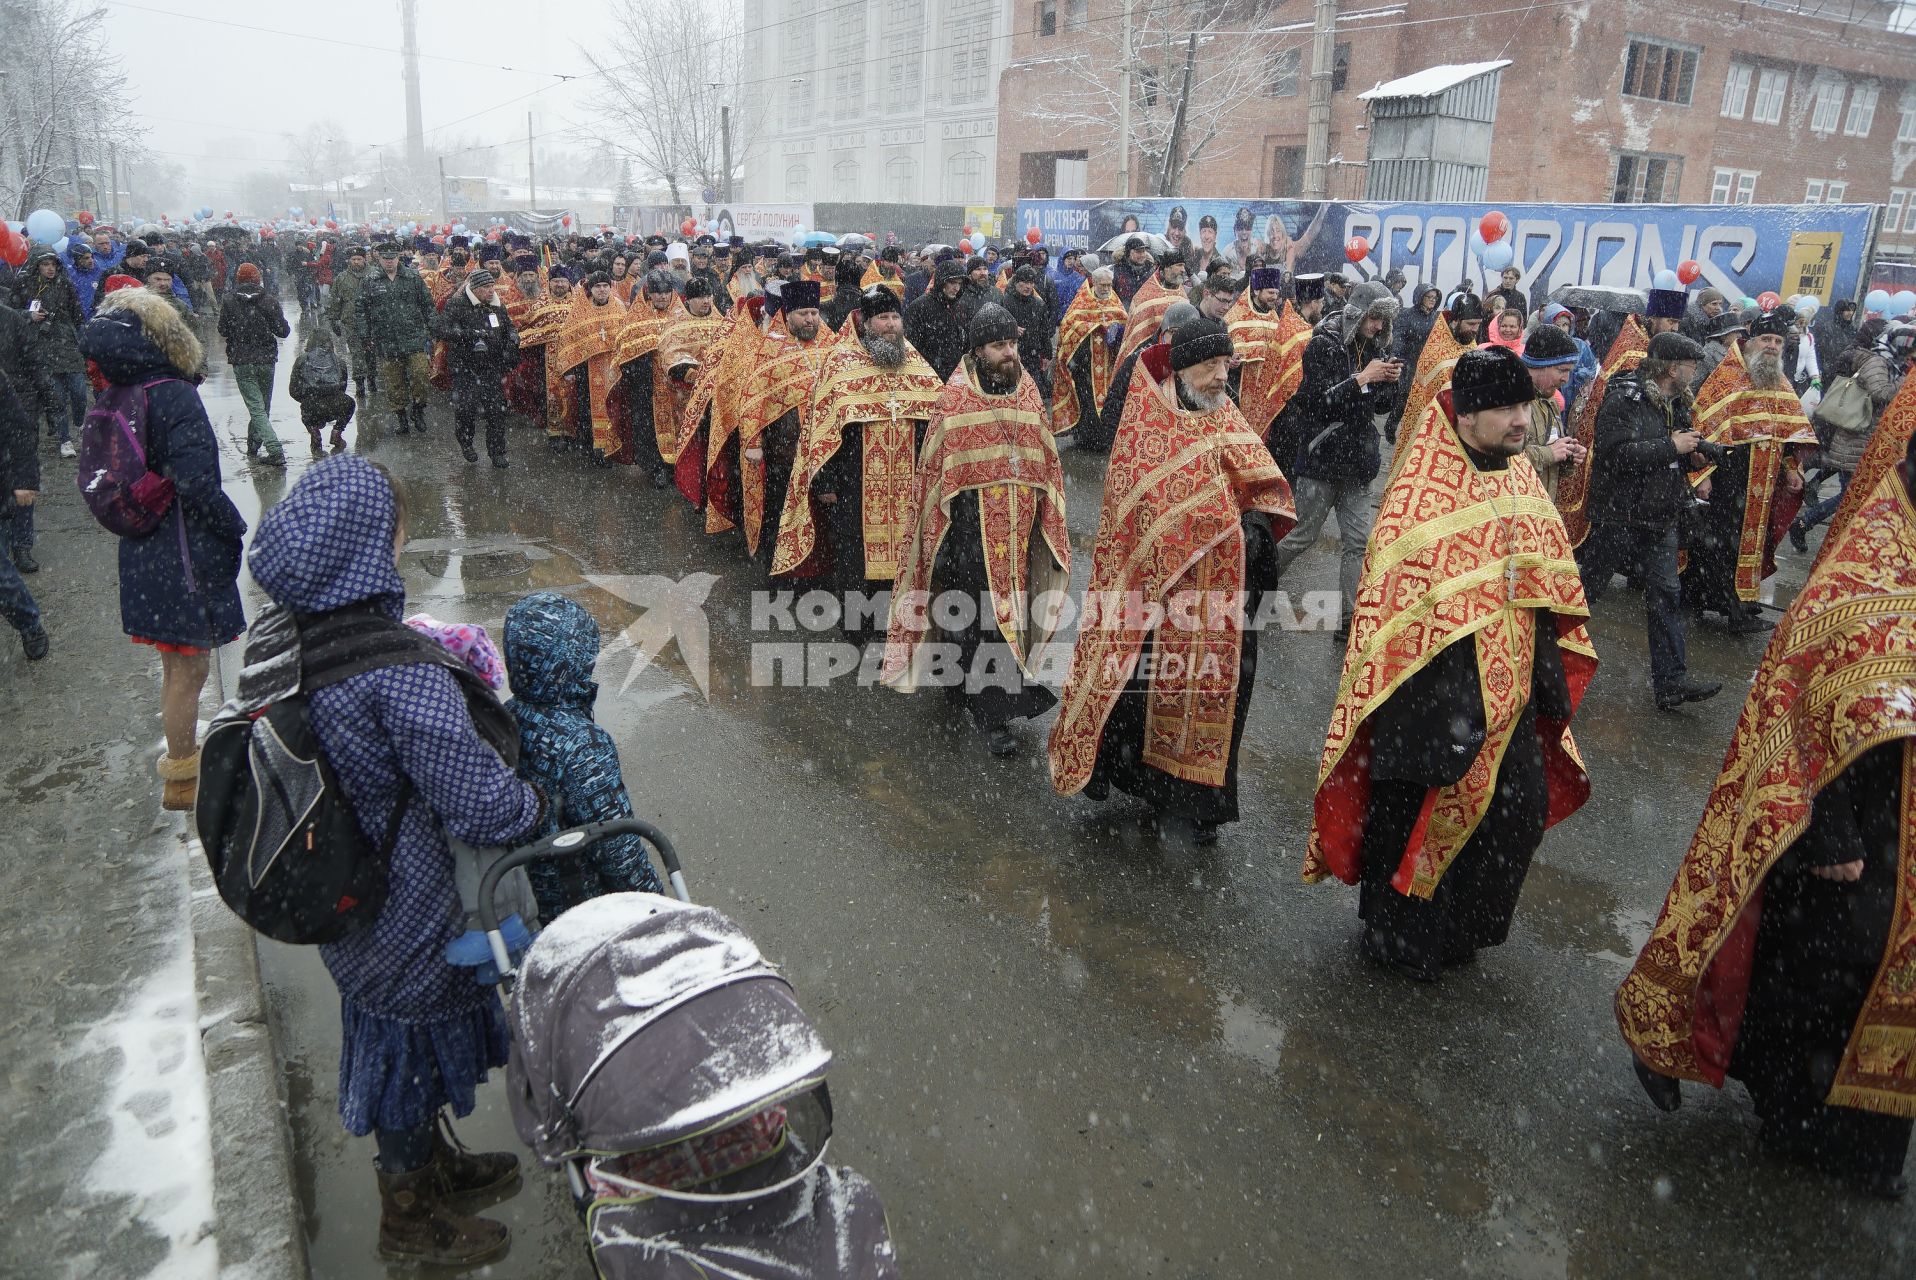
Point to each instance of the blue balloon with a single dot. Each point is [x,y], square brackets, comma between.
[60,245]
[1666,279]
[1901,303]
[1876,300]
[45,226]
[1498,256]
[1477,243]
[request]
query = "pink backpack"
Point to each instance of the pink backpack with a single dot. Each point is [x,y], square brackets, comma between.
[124,494]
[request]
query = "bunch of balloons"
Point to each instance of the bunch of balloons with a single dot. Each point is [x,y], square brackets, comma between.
[13,245]
[1893,305]
[1491,241]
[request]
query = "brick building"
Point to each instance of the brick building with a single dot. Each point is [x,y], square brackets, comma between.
[1605,100]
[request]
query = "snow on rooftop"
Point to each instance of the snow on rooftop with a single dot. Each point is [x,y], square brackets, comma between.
[1432,81]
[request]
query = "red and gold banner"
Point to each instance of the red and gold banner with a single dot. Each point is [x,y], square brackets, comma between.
[1573,478]
[999,448]
[887,404]
[1732,412]
[1148,306]
[1456,554]
[1434,366]
[1178,485]
[1834,683]
[1271,348]
[1085,320]
[591,338]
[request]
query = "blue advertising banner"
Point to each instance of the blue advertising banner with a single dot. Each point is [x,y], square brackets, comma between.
[1743,249]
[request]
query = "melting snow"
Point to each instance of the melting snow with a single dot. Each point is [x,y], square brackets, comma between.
[1432,81]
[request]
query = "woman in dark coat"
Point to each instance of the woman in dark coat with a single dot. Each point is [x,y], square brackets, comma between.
[419,1034]
[179,584]
[1408,335]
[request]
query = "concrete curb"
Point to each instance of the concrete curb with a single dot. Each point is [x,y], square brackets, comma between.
[258,1218]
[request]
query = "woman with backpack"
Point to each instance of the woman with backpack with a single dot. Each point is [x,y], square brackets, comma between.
[1847,416]
[179,583]
[318,384]
[419,1034]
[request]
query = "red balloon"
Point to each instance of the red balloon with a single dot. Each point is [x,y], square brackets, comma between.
[688,228]
[566,221]
[1493,226]
[84,218]
[1357,248]
[1769,300]
[964,246]
[967,230]
[1688,270]
[331,225]
[1033,236]
[13,246]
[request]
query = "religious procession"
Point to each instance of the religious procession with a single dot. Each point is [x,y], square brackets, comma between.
[1180,707]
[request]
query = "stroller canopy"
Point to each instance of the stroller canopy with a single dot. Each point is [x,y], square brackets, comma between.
[640,1021]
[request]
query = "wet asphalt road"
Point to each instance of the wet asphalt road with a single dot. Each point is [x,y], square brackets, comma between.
[1067,1047]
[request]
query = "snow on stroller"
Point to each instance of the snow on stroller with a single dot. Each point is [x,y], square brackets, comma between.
[668,1069]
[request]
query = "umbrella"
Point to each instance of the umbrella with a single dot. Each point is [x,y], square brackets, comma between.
[1157,244]
[1599,298]
[933,250]
[816,238]
[855,241]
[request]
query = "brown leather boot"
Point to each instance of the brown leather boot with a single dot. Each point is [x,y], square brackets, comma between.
[417,1225]
[182,779]
[472,1179]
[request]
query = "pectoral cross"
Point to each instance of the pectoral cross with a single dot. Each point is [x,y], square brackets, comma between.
[894,406]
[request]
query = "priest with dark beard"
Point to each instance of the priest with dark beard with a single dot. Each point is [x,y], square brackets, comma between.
[1449,749]
[1166,658]
[848,507]
[1783,957]
[641,402]
[1098,435]
[986,550]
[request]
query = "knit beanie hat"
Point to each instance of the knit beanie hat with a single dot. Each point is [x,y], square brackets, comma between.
[1548,345]
[247,273]
[1199,340]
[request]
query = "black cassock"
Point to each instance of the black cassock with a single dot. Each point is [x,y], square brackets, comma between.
[1712,534]
[1100,429]
[637,376]
[779,443]
[1121,746]
[1426,735]
[841,526]
[1003,693]
[1819,944]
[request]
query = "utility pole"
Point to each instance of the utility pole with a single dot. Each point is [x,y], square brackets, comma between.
[725,141]
[1124,106]
[409,51]
[113,159]
[1177,120]
[1317,135]
[532,174]
[445,210]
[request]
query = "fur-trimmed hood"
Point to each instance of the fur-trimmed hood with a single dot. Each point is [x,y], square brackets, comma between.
[136,335]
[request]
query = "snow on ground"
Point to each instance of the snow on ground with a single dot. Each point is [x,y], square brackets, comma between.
[160,1152]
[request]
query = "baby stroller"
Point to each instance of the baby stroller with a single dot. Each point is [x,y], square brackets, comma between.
[667,1068]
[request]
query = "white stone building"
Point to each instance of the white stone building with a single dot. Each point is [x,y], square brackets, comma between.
[891,101]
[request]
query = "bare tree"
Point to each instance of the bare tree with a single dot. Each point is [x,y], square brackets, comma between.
[667,81]
[1199,69]
[62,95]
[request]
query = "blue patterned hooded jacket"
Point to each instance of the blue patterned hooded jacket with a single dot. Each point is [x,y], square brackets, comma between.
[551,645]
[418,1032]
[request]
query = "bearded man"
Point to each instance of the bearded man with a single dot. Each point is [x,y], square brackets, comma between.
[1449,751]
[583,353]
[987,532]
[1193,508]
[1087,342]
[1269,337]
[848,507]
[641,402]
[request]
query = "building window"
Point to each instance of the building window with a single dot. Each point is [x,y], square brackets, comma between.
[1906,127]
[1286,67]
[1736,89]
[1745,187]
[1287,172]
[1076,13]
[970,59]
[1732,186]
[1340,66]
[964,177]
[901,180]
[798,182]
[1862,110]
[1772,88]
[1834,192]
[1829,106]
[1047,24]
[904,69]
[1902,204]
[848,62]
[845,180]
[1659,71]
[1646,179]
[1813,193]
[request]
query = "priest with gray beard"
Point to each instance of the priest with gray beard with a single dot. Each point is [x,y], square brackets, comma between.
[847,507]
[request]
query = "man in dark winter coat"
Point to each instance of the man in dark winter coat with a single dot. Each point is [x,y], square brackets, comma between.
[252,324]
[396,312]
[481,345]
[1131,270]
[1036,331]
[935,324]
[1409,331]
[46,297]
[19,488]
[1326,439]
[1834,331]
[1646,446]
[342,311]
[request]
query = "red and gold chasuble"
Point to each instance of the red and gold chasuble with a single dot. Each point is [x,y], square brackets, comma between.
[638,339]
[1085,320]
[545,319]
[1835,682]
[1434,367]
[716,392]
[1170,530]
[1731,412]
[778,382]
[591,338]
[887,404]
[626,289]
[1146,316]
[683,344]
[1573,478]
[871,277]
[999,448]
[827,282]
[1271,349]
[1456,553]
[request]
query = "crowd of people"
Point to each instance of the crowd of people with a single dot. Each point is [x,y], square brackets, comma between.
[886,425]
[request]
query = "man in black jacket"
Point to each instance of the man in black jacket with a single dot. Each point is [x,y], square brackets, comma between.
[935,324]
[252,324]
[1036,332]
[481,345]
[46,297]
[1639,485]
[19,487]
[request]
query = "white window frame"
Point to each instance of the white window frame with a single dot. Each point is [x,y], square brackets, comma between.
[1772,91]
[1906,124]
[845,175]
[798,181]
[1862,110]
[1813,194]
[1736,89]
[1722,185]
[1901,200]
[901,179]
[964,177]
[1835,191]
[1746,187]
[1826,110]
